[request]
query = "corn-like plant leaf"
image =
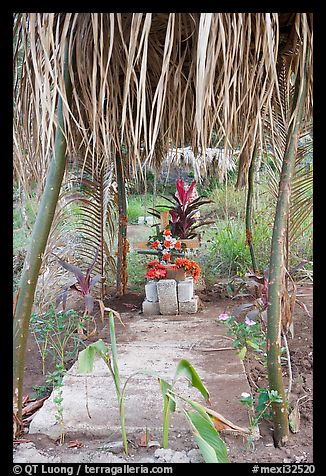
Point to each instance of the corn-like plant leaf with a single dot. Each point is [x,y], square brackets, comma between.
[207,437]
[184,368]
[87,356]
[165,387]
[206,450]
[114,351]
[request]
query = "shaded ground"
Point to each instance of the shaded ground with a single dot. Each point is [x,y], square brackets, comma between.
[299,448]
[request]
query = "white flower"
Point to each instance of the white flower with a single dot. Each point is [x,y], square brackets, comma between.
[245,395]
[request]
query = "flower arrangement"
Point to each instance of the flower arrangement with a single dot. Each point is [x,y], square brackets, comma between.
[166,245]
[190,267]
[155,270]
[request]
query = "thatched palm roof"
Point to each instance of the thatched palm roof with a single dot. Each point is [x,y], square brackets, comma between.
[140,79]
[213,160]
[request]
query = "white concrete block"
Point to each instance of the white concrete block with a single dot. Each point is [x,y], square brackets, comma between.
[167,296]
[151,308]
[141,220]
[185,290]
[190,307]
[151,291]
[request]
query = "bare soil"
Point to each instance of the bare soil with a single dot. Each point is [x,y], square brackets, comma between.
[300,446]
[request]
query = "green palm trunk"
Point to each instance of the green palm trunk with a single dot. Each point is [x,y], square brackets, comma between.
[276,269]
[249,209]
[37,246]
[122,275]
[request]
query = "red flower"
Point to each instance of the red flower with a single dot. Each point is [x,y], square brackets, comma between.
[167,232]
[167,243]
[152,264]
[166,256]
[177,245]
[155,245]
[156,273]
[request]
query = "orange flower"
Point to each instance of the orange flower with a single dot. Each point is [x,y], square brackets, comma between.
[167,232]
[155,245]
[167,256]
[177,245]
[191,267]
[167,243]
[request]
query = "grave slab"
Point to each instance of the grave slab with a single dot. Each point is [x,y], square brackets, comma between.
[89,401]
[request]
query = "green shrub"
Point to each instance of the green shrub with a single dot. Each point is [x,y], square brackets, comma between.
[226,253]
[136,267]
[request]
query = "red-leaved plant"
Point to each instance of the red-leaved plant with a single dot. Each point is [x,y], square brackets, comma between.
[184,223]
[83,286]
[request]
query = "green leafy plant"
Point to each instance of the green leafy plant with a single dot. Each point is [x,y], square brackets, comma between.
[40,391]
[210,443]
[206,436]
[55,379]
[262,410]
[247,333]
[55,334]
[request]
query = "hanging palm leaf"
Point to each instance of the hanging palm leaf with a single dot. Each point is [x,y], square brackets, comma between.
[277,121]
[84,224]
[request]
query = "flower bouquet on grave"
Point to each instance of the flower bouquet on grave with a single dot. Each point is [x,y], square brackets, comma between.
[155,272]
[168,249]
[190,267]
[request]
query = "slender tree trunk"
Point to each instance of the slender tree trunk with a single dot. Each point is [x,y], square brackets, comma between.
[145,194]
[249,209]
[102,234]
[33,261]
[276,270]
[122,275]
[155,189]
[257,179]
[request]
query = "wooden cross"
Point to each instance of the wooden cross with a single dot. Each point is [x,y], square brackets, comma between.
[142,245]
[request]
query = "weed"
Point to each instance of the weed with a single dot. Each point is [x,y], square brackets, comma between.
[55,379]
[136,267]
[245,334]
[262,410]
[55,334]
[40,391]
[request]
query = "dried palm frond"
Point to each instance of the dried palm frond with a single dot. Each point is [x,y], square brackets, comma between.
[146,78]
[84,224]
[277,122]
